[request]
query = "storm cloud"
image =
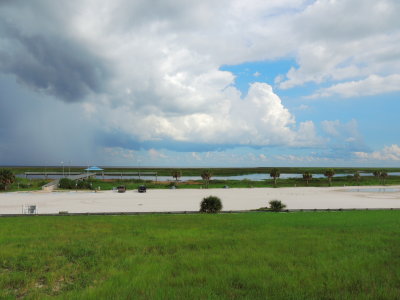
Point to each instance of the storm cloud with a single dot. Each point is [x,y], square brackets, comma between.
[145,75]
[48,59]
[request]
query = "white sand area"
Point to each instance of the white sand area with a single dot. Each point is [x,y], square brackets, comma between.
[189,199]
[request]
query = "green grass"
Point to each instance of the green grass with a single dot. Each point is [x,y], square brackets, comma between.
[324,255]
[23,184]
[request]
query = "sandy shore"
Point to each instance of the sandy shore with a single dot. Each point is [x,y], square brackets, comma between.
[189,199]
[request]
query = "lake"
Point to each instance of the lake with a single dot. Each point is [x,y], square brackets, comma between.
[252,177]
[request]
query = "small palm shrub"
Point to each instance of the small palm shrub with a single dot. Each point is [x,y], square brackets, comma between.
[276,205]
[210,204]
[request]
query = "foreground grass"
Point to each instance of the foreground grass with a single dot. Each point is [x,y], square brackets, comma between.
[346,255]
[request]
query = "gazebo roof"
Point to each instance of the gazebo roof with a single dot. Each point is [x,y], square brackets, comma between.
[94,169]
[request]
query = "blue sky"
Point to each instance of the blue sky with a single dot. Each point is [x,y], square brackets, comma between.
[187,83]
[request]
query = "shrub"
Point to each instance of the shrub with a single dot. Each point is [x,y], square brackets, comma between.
[41,183]
[66,183]
[7,178]
[84,184]
[172,185]
[276,205]
[210,204]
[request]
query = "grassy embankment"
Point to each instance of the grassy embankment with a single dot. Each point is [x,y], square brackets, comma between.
[346,255]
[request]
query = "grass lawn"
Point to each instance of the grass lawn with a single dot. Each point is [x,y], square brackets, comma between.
[323,255]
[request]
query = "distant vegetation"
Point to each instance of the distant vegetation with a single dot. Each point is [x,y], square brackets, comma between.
[176,174]
[330,173]
[275,173]
[307,176]
[206,176]
[353,178]
[214,171]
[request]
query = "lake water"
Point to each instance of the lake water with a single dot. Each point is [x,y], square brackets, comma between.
[253,177]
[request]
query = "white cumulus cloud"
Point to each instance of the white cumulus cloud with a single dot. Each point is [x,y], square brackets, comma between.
[389,153]
[372,85]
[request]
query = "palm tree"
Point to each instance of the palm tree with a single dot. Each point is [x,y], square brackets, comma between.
[274,173]
[329,173]
[206,176]
[176,174]
[377,174]
[307,176]
[6,177]
[383,177]
[357,176]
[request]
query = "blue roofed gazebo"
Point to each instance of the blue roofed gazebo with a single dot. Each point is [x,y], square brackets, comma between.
[94,169]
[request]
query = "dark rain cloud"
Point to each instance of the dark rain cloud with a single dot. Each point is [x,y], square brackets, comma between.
[37,130]
[57,65]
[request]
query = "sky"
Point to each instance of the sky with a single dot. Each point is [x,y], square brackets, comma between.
[226,83]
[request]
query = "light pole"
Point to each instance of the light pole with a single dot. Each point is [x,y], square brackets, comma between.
[139,167]
[62,163]
[69,168]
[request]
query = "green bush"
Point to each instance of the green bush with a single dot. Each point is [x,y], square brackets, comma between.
[84,185]
[41,183]
[210,204]
[66,183]
[7,178]
[276,205]
[172,185]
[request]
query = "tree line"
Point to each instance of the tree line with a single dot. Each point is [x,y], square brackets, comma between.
[275,174]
